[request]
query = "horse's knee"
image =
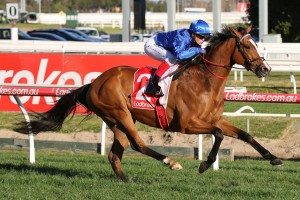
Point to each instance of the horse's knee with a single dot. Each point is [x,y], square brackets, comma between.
[219,135]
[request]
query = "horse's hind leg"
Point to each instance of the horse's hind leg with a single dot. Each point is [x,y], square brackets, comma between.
[138,144]
[232,131]
[115,155]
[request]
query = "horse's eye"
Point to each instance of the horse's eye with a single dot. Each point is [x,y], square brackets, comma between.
[247,46]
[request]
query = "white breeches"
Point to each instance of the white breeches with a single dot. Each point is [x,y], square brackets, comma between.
[158,52]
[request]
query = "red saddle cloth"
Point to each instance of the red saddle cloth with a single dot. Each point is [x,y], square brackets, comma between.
[140,100]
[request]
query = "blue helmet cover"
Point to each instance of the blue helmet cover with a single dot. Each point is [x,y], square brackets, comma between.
[200,27]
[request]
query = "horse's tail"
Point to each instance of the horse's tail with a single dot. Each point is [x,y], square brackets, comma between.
[53,119]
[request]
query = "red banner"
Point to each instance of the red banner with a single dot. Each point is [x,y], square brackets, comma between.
[34,90]
[46,69]
[56,69]
[261,97]
[243,6]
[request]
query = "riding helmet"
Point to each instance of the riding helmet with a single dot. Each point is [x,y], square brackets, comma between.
[200,27]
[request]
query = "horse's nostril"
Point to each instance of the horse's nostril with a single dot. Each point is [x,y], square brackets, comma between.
[262,71]
[265,69]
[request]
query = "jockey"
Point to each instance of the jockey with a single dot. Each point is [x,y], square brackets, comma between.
[172,47]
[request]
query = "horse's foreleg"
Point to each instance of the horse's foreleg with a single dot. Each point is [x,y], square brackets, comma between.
[244,136]
[115,155]
[201,127]
[214,151]
[232,131]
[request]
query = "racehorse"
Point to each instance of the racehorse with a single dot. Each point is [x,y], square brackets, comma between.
[195,103]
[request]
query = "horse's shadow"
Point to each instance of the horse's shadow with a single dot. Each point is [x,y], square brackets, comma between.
[68,173]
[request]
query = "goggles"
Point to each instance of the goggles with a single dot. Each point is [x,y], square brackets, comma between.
[202,37]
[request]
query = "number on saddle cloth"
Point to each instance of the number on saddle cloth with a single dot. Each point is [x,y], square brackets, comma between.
[140,81]
[141,101]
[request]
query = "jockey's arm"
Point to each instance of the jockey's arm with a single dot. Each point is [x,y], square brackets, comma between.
[189,53]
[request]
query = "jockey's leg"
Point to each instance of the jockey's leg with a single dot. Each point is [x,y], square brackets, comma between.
[152,87]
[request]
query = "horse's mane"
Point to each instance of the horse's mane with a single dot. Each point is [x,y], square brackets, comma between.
[218,37]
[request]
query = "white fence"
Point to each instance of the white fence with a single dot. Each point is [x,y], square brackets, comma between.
[271,51]
[284,57]
[35,46]
[152,20]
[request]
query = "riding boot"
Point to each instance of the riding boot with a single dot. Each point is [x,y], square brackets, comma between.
[152,88]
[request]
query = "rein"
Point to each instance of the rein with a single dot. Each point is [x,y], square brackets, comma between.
[215,64]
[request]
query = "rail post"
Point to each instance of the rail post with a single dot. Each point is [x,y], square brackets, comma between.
[30,134]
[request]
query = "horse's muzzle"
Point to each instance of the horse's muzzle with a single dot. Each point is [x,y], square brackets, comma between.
[262,70]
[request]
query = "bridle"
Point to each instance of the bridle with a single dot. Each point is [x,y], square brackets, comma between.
[241,47]
[238,45]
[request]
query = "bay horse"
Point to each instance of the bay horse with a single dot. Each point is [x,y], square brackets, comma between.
[195,103]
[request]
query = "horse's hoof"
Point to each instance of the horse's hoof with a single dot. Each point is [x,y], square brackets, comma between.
[276,162]
[122,178]
[203,167]
[176,166]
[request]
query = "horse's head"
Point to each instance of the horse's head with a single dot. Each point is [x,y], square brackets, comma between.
[246,53]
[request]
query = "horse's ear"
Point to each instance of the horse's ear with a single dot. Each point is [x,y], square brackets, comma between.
[234,32]
[249,28]
[242,30]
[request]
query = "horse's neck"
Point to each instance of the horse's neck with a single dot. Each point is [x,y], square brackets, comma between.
[198,75]
[220,59]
